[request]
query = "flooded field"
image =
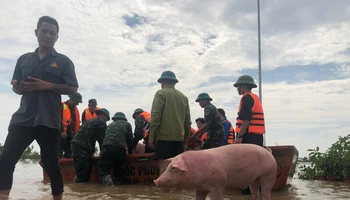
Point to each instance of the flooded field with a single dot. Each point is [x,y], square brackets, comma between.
[28,185]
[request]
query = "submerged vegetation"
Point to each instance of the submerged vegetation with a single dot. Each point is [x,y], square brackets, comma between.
[334,164]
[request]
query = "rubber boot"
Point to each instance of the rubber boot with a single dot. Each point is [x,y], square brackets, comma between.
[107,180]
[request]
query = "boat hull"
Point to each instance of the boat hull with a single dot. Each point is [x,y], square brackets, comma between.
[142,168]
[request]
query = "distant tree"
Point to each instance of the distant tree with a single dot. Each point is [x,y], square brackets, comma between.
[305,159]
[29,153]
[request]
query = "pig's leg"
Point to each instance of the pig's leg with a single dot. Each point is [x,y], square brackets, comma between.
[254,189]
[201,195]
[217,194]
[267,183]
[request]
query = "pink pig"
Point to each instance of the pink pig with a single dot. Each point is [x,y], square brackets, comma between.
[229,166]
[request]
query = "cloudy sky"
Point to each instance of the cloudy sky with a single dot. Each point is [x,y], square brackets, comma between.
[120,49]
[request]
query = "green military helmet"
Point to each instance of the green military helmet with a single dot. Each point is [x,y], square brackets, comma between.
[119,115]
[76,97]
[203,96]
[105,111]
[168,75]
[245,79]
[92,102]
[136,112]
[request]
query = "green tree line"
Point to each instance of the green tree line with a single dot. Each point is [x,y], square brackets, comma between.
[29,153]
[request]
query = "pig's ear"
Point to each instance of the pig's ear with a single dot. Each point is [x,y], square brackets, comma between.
[180,164]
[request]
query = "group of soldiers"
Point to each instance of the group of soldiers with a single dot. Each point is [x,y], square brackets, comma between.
[42,76]
[79,141]
[118,139]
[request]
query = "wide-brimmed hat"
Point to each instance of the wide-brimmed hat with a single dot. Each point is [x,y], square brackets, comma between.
[136,112]
[105,111]
[168,75]
[203,96]
[119,115]
[76,97]
[245,79]
[93,101]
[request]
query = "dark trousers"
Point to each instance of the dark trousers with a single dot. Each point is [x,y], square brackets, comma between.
[17,140]
[82,162]
[65,148]
[168,149]
[250,138]
[112,155]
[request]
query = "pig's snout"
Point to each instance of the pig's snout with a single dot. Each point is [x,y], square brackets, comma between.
[156,183]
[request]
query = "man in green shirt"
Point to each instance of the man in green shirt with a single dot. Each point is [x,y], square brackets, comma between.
[170,120]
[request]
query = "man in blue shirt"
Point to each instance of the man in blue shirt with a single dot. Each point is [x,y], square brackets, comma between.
[228,129]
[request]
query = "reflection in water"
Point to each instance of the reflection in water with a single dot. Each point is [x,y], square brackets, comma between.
[28,185]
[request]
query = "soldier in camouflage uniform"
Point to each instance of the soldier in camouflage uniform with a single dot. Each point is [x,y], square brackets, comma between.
[83,144]
[213,125]
[118,136]
[142,124]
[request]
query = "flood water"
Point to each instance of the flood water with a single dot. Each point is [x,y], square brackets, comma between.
[28,185]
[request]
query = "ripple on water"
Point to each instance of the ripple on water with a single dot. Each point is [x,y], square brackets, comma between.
[28,186]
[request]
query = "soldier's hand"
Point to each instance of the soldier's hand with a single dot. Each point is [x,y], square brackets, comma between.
[192,137]
[18,87]
[151,144]
[64,135]
[199,137]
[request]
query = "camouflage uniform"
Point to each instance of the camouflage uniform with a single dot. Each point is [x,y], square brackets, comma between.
[138,133]
[215,131]
[83,146]
[65,145]
[118,136]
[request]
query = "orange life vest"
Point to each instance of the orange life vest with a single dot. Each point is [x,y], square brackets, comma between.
[67,118]
[195,143]
[230,139]
[89,115]
[192,131]
[257,124]
[147,117]
[204,137]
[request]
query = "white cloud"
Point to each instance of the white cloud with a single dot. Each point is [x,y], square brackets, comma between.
[198,40]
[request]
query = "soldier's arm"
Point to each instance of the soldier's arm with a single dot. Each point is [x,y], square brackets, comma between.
[207,116]
[245,114]
[156,114]
[101,134]
[187,124]
[129,139]
[138,133]
[83,117]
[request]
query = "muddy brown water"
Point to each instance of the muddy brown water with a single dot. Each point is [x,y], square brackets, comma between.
[28,185]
